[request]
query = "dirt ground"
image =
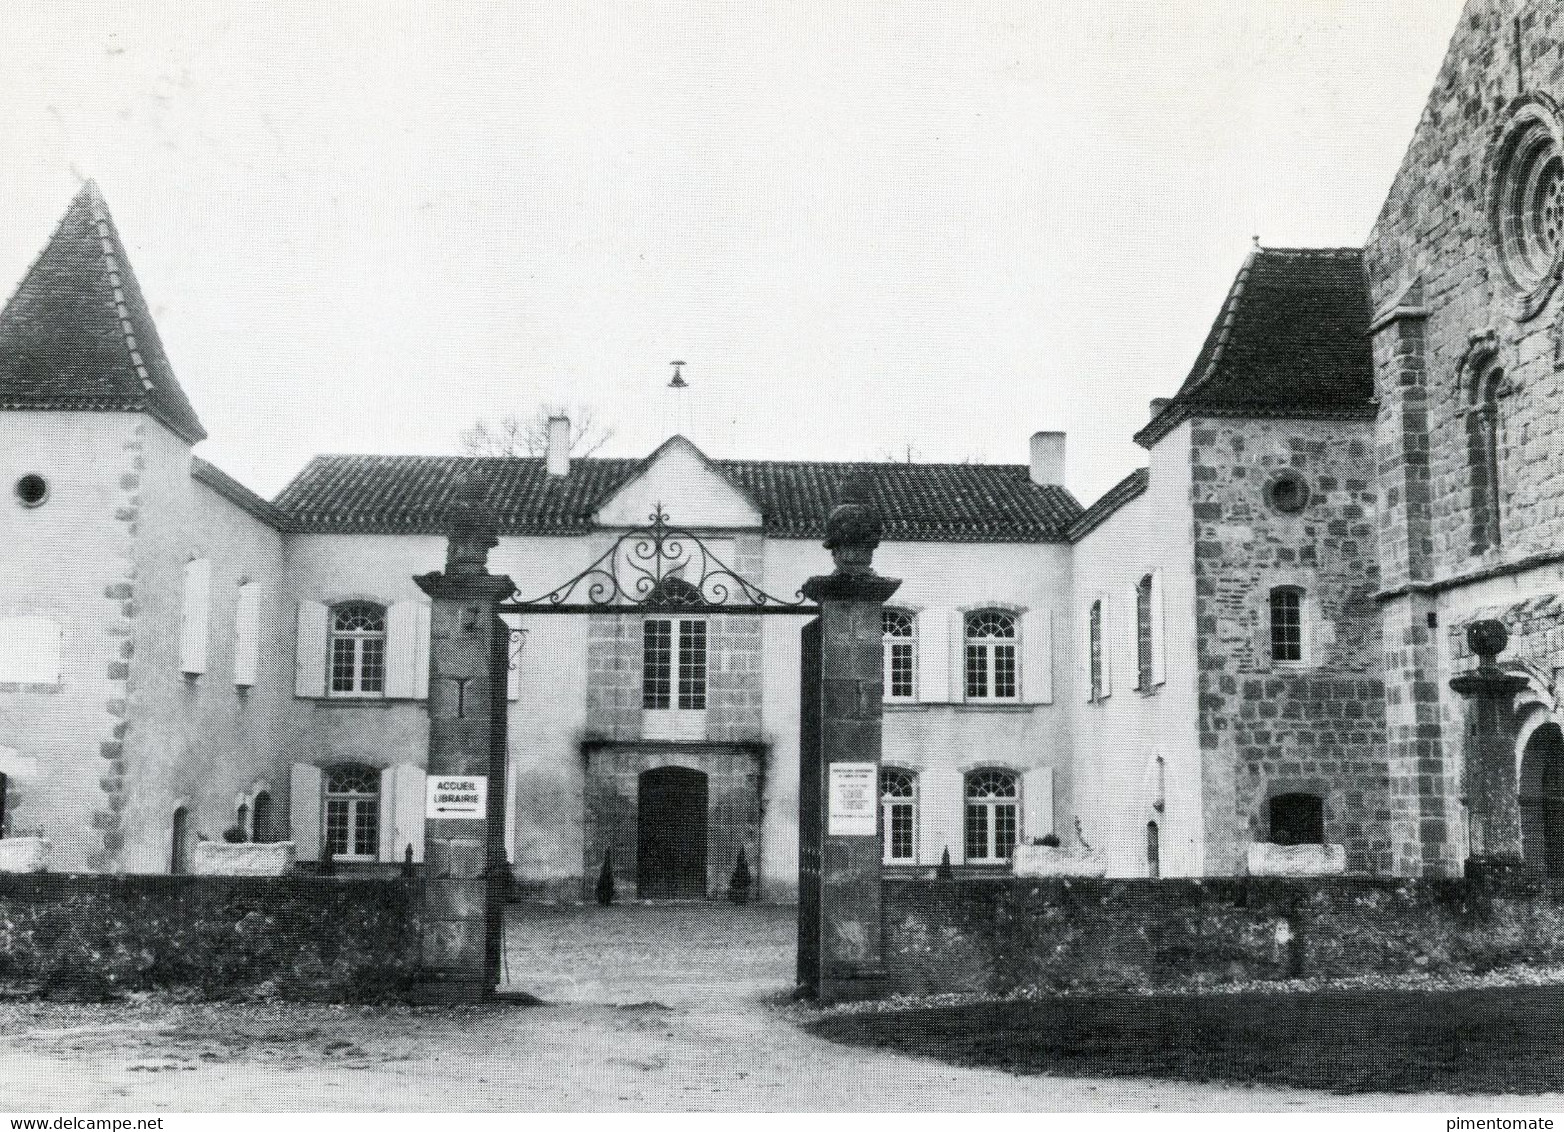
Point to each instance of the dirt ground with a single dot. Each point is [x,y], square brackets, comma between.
[646,1008]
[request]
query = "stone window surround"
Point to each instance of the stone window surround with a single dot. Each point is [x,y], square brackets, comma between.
[1532,126]
[1482,376]
[1330,793]
[1306,581]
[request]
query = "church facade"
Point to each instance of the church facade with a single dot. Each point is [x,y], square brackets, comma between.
[1247,642]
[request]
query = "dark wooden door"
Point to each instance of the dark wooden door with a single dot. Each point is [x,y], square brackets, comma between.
[671,835]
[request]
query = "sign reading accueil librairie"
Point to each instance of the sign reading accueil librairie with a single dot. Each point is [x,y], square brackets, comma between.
[456,796]
[854,793]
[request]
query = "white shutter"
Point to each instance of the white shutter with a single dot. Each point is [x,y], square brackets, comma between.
[1132,639]
[1159,641]
[958,657]
[30,650]
[1106,630]
[1037,802]
[421,658]
[304,800]
[513,672]
[402,650]
[1083,651]
[939,816]
[401,812]
[934,656]
[247,634]
[1037,656]
[197,619]
[309,673]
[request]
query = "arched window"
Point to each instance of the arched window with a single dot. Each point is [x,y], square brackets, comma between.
[1297,819]
[898,816]
[261,818]
[993,798]
[1286,608]
[900,654]
[358,649]
[353,812]
[991,655]
[242,822]
[1153,850]
[1094,647]
[1482,437]
[1143,633]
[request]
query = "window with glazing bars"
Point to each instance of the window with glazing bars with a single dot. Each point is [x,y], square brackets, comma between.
[1143,633]
[673,670]
[992,827]
[898,815]
[358,649]
[353,812]
[1286,624]
[991,655]
[900,654]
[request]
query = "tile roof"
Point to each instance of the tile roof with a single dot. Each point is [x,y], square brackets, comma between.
[1291,341]
[77,333]
[923,502]
[1130,488]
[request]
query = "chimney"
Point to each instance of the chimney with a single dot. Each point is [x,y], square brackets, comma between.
[1157,405]
[1048,457]
[558,453]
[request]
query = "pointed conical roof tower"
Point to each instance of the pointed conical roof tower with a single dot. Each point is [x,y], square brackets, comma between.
[77,333]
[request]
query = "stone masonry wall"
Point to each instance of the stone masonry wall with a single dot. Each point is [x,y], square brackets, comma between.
[1003,936]
[1446,317]
[1268,727]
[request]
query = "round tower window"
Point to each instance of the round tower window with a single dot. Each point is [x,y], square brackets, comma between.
[1287,493]
[32,489]
[1526,203]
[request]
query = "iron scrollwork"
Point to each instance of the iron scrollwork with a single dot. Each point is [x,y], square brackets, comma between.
[660,567]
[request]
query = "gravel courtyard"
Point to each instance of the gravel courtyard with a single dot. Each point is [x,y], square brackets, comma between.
[645,1008]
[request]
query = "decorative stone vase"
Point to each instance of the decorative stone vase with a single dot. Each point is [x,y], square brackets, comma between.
[1266,860]
[24,854]
[1056,861]
[245,859]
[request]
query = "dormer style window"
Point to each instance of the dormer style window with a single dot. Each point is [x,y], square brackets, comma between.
[991,655]
[358,649]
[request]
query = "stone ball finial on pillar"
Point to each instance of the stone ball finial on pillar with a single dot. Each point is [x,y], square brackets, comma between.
[853,530]
[1487,638]
[471,526]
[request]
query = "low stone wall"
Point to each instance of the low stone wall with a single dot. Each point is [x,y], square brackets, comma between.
[997,936]
[314,938]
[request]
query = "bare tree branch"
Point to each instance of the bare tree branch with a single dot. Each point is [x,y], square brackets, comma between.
[513,435]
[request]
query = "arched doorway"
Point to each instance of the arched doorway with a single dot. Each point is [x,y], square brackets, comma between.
[261,817]
[671,834]
[179,856]
[1542,801]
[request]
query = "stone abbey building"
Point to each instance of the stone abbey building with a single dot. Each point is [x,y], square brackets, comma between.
[1249,641]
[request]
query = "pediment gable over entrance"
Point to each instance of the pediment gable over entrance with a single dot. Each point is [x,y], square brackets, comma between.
[693,492]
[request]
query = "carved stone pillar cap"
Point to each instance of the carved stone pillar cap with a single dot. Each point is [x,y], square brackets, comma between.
[852,532]
[471,526]
[1487,638]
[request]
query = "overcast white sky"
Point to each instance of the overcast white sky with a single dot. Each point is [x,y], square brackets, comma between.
[864,224]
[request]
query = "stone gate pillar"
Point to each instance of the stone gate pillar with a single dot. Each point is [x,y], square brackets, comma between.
[458,906]
[847,755]
[1493,802]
